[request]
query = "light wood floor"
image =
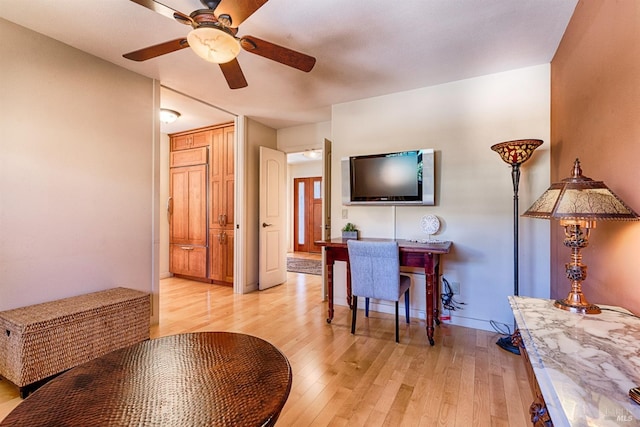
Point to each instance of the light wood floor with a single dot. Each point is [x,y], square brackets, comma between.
[364,380]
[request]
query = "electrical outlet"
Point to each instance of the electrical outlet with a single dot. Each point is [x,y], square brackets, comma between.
[345,214]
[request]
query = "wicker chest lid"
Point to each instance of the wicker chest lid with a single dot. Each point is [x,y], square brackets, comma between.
[46,315]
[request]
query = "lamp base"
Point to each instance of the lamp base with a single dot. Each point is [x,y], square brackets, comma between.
[577,307]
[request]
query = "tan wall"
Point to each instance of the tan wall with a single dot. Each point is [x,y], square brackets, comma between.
[257,135]
[595,116]
[78,172]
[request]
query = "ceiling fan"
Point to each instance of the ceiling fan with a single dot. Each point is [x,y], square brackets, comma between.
[213,38]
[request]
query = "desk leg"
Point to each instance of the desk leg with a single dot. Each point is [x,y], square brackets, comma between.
[429,274]
[329,267]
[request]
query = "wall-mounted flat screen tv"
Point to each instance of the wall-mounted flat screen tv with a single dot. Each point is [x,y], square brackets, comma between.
[399,178]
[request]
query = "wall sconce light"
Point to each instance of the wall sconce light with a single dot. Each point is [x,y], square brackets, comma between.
[168,116]
[578,202]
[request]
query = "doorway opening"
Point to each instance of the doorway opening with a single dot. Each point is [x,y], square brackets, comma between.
[307,214]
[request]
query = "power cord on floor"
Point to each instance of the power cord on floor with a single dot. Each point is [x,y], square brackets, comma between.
[501,328]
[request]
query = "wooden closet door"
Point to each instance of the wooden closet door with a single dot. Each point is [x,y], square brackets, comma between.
[188,220]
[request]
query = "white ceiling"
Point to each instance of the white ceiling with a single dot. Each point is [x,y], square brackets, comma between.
[364,48]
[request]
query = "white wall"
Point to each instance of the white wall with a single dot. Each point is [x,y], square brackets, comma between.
[299,138]
[78,172]
[474,196]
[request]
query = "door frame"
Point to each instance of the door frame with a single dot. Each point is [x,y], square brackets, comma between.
[309,224]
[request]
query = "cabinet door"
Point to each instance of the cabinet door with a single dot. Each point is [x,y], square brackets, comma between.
[201,139]
[190,140]
[221,256]
[229,176]
[188,260]
[188,207]
[222,179]
[216,177]
[181,142]
[192,157]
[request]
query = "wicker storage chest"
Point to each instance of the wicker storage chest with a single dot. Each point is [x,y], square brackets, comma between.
[42,340]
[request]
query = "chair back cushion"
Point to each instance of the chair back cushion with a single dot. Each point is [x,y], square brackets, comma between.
[375,269]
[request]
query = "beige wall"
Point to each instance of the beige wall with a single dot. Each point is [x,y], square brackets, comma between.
[257,135]
[164,213]
[299,138]
[78,172]
[595,107]
[460,120]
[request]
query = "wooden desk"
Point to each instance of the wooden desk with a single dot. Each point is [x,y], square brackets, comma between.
[199,379]
[412,254]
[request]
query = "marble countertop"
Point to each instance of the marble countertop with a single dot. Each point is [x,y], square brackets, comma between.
[584,364]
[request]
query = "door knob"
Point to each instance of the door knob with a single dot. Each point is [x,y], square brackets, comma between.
[264,224]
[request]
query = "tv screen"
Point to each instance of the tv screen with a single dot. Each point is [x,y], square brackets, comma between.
[390,178]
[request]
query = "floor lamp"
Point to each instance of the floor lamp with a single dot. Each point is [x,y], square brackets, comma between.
[515,153]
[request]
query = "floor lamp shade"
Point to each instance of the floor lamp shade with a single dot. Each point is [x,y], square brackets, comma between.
[516,152]
[578,202]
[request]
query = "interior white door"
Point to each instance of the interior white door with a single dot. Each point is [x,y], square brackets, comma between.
[273,217]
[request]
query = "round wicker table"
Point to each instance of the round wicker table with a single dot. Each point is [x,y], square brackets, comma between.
[198,379]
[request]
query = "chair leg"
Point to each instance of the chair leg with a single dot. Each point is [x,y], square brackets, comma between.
[354,310]
[366,307]
[397,329]
[406,304]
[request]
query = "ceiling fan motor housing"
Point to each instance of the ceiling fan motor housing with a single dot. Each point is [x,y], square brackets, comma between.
[211,4]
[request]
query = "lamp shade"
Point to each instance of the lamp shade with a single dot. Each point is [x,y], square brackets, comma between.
[518,151]
[580,198]
[214,44]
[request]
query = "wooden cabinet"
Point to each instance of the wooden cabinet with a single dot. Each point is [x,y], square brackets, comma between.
[187,206]
[188,221]
[221,218]
[188,260]
[195,156]
[202,187]
[187,140]
[222,169]
[221,256]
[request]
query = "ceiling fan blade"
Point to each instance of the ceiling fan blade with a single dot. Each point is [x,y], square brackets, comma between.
[277,53]
[238,10]
[165,11]
[157,50]
[156,7]
[233,74]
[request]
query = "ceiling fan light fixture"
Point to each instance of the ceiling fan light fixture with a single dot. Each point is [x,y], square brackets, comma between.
[168,116]
[213,44]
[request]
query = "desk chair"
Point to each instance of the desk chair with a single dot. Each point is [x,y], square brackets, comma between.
[375,273]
